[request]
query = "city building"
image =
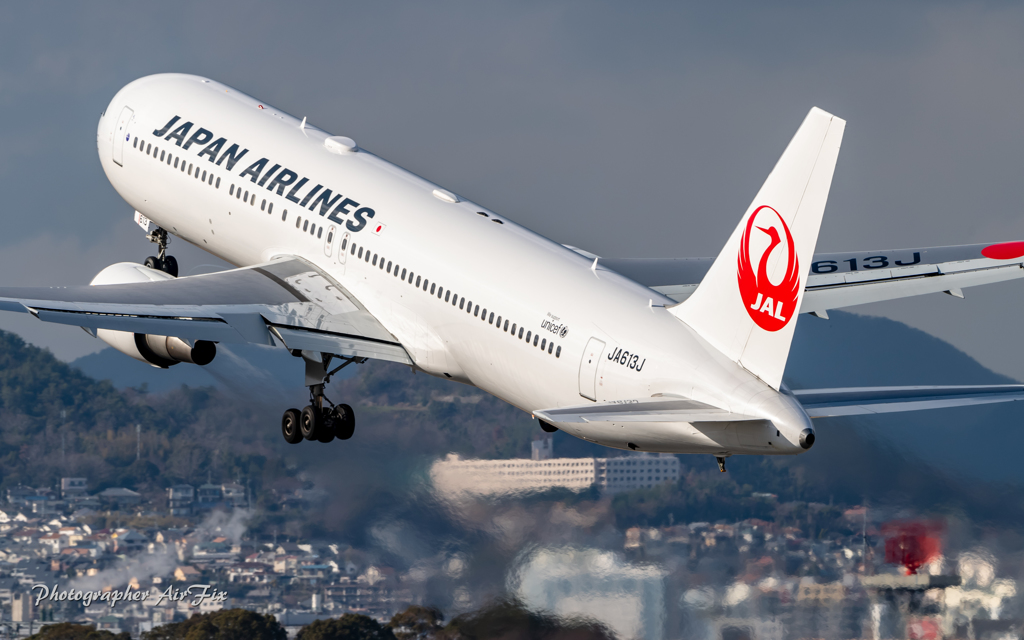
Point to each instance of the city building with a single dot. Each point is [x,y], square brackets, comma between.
[72,487]
[180,498]
[234,495]
[454,476]
[208,496]
[591,583]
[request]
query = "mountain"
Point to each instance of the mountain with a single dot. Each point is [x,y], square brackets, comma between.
[850,350]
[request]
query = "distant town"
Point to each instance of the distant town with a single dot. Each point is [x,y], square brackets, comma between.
[725,580]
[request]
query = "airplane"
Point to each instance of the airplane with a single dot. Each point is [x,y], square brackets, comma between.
[341,256]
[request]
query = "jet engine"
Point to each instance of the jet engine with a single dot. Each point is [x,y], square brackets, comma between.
[159,351]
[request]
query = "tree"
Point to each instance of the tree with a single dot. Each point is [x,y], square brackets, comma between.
[417,622]
[350,626]
[71,631]
[511,620]
[227,624]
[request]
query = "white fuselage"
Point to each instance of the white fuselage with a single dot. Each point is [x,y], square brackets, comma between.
[395,223]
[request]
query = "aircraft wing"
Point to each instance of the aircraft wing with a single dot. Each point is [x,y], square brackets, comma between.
[837,280]
[661,409]
[289,300]
[827,403]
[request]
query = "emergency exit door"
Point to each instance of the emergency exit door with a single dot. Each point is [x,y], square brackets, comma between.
[588,369]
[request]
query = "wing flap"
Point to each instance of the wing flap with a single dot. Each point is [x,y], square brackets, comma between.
[642,410]
[345,345]
[830,403]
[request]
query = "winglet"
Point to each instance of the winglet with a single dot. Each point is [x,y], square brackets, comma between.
[746,305]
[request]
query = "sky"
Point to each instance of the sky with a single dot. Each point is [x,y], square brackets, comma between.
[629,130]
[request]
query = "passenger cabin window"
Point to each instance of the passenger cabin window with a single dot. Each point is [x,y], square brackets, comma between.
[319,232]
[217,186]
[330,236]
[270,207]
[403,273]
[418,281]
[263,205]
[558,351]
[305,225]
[284,215]
[344,244]
[231,190]
[135,143]
[149,148]
[175,162]
[360,251]
[389,266]
[298,222]
[528,334]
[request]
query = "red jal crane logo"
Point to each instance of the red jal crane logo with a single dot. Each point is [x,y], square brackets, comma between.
[771,306]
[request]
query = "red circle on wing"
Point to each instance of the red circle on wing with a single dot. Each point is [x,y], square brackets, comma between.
[1004,250]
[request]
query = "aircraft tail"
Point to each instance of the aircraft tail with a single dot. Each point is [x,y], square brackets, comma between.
[746,305]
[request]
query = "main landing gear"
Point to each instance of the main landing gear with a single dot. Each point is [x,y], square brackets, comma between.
[318,422]
[161,261]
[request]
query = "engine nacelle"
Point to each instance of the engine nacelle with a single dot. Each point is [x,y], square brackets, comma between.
[159,351]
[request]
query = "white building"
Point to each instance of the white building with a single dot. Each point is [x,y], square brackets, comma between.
[570,582]
[454,475]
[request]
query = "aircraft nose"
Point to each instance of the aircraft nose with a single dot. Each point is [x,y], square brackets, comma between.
[807,438]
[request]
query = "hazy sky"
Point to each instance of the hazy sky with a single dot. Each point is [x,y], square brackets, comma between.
[630,130]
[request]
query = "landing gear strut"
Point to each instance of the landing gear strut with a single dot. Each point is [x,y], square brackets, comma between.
[161,261]
[318,422]
[721,463]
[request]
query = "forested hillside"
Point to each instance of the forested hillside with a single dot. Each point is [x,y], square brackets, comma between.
[58,422]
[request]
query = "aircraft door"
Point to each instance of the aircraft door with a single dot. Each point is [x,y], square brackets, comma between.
[121,134]
[342,250]
[588,369]
[329,242]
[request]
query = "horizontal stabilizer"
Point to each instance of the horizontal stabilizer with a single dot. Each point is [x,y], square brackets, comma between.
[856,401]
[659,409]
[838,280]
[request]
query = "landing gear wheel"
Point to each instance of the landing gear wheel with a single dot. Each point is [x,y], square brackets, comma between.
[310,425]
[327,426]
[344,422]
[152,262]
[170,266]
[290,426]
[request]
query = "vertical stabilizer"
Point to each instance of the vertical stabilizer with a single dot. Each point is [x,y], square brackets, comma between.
[747,303]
